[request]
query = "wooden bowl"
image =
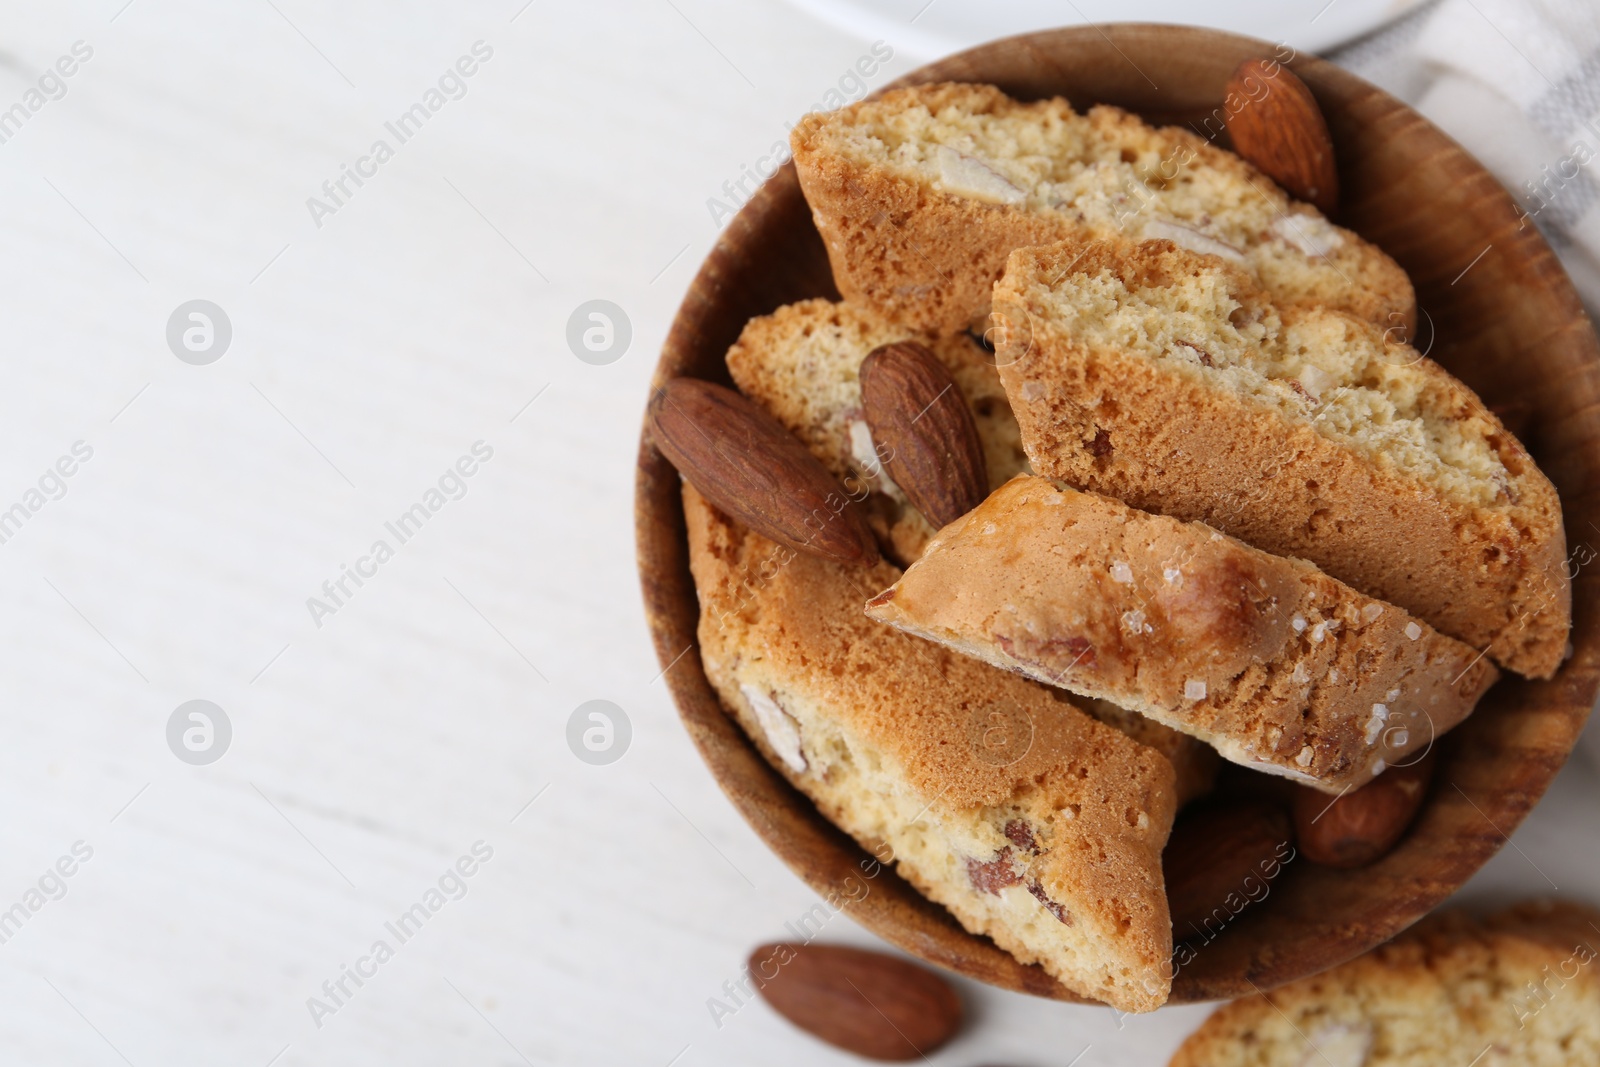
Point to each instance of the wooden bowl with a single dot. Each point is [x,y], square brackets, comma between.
[1505,320]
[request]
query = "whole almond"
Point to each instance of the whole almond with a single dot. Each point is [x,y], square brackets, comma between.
[1360,827]
[1279,128]
[916,412]
[755,471]
[1222,857]
[869,1003]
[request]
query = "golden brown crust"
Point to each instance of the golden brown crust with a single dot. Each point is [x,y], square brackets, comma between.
[801,363]
[1195,764]
[1273,663]
[1519,987]
[927,257]
[1102,417]
[1048,838]
[920,257]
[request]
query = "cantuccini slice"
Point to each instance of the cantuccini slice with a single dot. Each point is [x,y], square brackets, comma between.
[922,192]
[1273,663]
[802,364]
[1030,821]
[1517,987]
[1173,382]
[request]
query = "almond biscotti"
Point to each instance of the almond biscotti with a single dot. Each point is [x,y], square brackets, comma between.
[1170,381]
[1519,988]
[801,363]
[1030,821]
[1274,664]
[921,193]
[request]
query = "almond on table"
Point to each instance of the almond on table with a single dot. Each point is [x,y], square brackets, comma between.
[870,1003]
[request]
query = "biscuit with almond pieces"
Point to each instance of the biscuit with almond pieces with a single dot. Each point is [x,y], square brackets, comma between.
[1268,660]
[1030,821]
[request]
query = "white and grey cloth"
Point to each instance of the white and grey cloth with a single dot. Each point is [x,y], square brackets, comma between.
[1517,82]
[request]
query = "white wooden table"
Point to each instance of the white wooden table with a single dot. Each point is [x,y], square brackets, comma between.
[378,741]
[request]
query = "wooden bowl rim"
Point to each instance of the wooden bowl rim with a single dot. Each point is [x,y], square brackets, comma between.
[817,851]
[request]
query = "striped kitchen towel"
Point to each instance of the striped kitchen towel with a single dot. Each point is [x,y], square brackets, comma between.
[1518,83]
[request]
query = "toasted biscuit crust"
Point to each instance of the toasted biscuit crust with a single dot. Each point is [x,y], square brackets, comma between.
[922,246]
[1267,659]
[1519,987]
[1195,764]
[801,363]
[1166,379]
[1032,822]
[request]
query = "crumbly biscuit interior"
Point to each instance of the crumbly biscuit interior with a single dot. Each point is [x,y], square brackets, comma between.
[1103,169]
[1451,996]
[1322,368]
[860,789]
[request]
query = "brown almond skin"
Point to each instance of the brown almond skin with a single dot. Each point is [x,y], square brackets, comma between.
[1223,855]
[1362,826]
[1282,132]
[744,462]
[870,1003]
[916,411]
